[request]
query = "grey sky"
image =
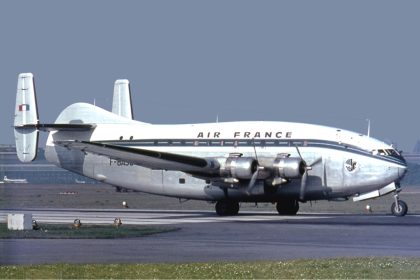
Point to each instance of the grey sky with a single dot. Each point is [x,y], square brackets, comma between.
[327,62]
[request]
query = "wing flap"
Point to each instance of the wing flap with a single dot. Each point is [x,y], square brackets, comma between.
[146,158]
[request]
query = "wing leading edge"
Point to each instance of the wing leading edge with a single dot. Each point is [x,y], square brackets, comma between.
[147,158]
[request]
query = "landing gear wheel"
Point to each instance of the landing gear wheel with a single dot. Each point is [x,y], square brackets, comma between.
[287,207]
[234,208]
[227,208]
[399,209]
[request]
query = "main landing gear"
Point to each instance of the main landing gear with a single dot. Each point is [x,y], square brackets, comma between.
[231,208]
[399,208]
[227,208]
[287,206]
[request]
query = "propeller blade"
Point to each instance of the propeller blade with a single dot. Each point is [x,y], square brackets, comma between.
[252,181]
[305,174]
[255,175]
[297,149]
[303,186]
[255,151]
[318,160]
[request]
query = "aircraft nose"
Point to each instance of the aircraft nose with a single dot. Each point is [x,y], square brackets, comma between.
[402,170]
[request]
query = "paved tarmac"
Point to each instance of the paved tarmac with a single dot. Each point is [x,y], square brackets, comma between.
[203,236]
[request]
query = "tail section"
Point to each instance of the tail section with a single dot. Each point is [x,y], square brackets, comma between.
[26,118]
[79,117]
[121,103]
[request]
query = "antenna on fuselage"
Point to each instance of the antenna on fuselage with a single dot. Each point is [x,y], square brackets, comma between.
[368,130]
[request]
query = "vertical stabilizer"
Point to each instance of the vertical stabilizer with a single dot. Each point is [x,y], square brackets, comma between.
[121,103]
[26,118]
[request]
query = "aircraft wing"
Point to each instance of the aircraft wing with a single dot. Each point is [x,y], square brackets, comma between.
[147,158]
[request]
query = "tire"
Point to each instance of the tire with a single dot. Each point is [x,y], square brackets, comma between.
[401,210]
[234,208]
[227,208]
[287,207]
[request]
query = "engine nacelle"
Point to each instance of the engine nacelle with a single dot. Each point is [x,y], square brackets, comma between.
[239,167]
[289,168]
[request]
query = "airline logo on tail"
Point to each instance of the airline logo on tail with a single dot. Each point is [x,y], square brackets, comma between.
[23,107]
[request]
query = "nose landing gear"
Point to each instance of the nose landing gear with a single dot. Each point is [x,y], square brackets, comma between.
[399,208]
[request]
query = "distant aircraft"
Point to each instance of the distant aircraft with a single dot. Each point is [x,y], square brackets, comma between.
[226,163]
[14,181]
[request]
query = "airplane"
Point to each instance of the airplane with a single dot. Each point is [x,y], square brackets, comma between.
[14,181]
[227,163]
[79,181]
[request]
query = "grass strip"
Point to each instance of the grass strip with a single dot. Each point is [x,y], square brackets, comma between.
[340,268]
[67,231]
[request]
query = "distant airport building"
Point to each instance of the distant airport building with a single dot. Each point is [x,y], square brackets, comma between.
[38,172]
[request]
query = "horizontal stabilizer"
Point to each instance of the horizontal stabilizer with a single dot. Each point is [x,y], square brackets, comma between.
[26,118]
[121,103]
[60,127]
[66,127]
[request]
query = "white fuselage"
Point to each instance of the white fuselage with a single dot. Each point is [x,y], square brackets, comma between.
[351,163]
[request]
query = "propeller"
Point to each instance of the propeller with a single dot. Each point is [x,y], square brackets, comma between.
[253,179]
[307,167]
[257,170]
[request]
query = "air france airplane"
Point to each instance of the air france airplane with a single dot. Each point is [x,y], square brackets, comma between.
[226,163]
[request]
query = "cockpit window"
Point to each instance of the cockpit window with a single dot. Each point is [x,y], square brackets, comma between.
[392,152]
[379,152]
[388,152]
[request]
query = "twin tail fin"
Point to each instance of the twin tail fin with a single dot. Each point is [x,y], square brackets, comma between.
[26,118]
[121,102]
